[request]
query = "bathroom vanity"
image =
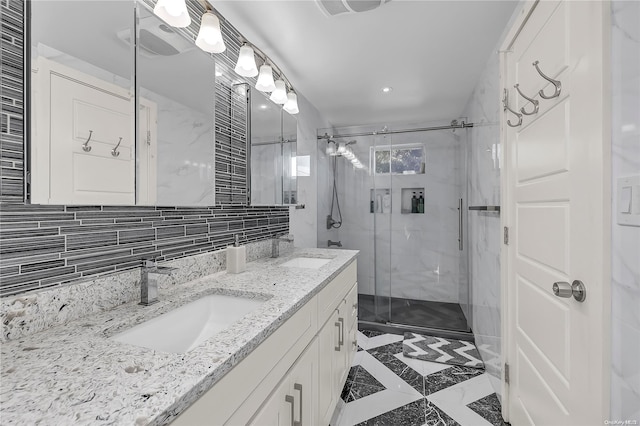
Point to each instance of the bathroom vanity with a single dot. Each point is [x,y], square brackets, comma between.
[285,361]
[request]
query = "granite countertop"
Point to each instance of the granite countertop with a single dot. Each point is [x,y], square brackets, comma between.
[73,374]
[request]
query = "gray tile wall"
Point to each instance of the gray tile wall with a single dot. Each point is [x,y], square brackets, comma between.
[44,246]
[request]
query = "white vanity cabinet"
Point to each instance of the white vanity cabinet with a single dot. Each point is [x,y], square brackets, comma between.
[295,376]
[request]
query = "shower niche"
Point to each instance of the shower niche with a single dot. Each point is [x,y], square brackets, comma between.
[380,200]
[412,201]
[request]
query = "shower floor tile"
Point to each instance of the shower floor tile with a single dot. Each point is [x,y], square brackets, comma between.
[386,388]
[421,313]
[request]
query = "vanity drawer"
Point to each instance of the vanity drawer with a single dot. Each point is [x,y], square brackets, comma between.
[335,291]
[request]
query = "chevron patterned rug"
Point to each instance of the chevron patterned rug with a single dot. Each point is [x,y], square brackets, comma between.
[437,349]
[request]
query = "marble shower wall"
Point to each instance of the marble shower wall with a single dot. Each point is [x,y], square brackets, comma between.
[625,244]
[304,224]
[484,242]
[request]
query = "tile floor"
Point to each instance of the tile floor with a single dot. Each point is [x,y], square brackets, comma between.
[385,388]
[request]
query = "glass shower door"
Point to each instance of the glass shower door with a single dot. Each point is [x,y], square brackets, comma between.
[428,280]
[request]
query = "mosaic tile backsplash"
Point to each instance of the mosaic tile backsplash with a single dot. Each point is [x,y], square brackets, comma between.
[45,246]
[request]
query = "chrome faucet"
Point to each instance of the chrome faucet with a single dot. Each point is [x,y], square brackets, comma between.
[275,244]
[334,243]
[149,281]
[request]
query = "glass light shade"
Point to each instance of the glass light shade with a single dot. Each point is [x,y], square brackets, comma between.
[210,37]
[291,106]
[246,65]
[331,148]
[265,81]
[342,148]
[173,12]
[279,95]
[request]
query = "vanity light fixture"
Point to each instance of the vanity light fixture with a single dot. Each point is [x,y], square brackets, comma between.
[342,148]
[246,65]
[291,106]
[279,95]
[265,81]
[173,12]
[210,37]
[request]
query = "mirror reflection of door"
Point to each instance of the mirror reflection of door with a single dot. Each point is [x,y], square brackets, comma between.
[82,138]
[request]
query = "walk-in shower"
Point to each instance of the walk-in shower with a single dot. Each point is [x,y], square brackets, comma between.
[401,196]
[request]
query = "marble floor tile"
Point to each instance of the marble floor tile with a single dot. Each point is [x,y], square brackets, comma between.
[386,388]
[489,408]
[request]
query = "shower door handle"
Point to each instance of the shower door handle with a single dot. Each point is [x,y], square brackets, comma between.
[460,225]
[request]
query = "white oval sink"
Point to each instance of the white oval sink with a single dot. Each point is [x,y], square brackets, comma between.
[306,262]
[188,326]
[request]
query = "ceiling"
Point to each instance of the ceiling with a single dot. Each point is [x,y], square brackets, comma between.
[431,53]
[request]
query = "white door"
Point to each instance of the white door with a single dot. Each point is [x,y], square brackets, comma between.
[556,208]
[86,135]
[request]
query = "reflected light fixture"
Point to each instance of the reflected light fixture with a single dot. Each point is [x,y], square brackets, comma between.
[279,95]
[291,106]
[173,12]
[265,81]
[342,148]
[331,148]
[246,65]
[387,89]
[210,37]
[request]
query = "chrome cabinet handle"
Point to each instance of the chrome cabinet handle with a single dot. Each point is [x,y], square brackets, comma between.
[556,84]
[115,151]
[85,145]
[298,387]
[575,289]
[337,348]
[289,399]
[534,102]
[341,321]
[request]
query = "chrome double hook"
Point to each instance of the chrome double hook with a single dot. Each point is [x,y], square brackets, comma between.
[505,103]
[556,84]
[115,151]
[534,102]
[85,145]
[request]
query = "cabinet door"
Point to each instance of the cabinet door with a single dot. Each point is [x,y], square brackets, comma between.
[277,410]
[328,347]
[303,381]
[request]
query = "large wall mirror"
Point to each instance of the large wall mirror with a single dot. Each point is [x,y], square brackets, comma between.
[86,76]
[273,152]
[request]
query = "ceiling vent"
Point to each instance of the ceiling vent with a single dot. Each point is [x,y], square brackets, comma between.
[157,39]
[336,7]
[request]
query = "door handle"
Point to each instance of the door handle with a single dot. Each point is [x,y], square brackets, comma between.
[337,348]
[575,289]
[290,399]
[298,387]
[341,341]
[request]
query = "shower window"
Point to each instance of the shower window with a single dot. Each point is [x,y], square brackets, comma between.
[399,159]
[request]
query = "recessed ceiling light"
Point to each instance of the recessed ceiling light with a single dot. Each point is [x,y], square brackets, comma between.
[387,89]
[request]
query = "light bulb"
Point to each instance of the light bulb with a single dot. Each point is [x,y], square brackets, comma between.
[279,95]
[246,65]
[210,37]
[265,81]
[291,106]
[173,12]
